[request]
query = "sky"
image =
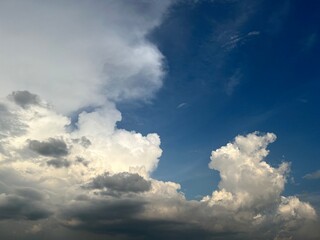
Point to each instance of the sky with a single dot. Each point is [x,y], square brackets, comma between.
[172,119]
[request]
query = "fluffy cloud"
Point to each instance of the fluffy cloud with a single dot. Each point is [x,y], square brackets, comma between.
[43,137]
[246,180]
[83,52]
[251,189]
[99,182]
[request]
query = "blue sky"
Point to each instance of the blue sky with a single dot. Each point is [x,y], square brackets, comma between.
[171,119]
[233,68]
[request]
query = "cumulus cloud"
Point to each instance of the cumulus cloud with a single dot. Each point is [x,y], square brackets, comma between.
[246,179]
[100,182]
[83,52]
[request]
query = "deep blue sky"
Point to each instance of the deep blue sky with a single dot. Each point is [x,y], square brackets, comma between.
[234,67]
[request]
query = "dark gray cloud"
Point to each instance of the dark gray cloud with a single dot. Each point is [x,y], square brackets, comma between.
[58,163]
[120,217]
[15,207]
[150,229]
[51,148]
[121,182]
[24,98]
[23,203]
[95,210]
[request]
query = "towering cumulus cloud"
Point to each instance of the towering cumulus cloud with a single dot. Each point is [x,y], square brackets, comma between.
[88,179]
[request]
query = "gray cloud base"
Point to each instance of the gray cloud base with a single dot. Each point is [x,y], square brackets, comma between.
[50,148]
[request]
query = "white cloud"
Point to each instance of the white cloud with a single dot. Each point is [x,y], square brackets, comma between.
[83,52]
[292,207]
[246,179]
[250,189]
[43,134]
[99,189]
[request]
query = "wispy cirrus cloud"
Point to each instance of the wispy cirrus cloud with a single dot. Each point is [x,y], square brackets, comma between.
[313,175]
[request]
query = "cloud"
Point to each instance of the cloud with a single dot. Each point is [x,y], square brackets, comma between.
[313,175]
[182,105]
[293,207]
[52,147]
[121,182]
[235,40]
[253,33]
[100,182]
[58,163]
[85,177]
[247,180]
[17,207]
[85,53]
[22,203]
[24,98]
[251,189]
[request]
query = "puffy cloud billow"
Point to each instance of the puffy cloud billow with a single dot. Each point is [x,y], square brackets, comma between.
[80,53]
[99,182]
[88,179]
